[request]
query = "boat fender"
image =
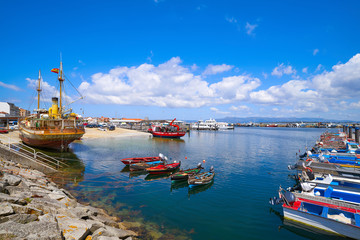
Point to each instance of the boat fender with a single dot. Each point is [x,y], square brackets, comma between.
[289,197]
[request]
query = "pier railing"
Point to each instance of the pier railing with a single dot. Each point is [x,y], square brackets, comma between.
[34,156]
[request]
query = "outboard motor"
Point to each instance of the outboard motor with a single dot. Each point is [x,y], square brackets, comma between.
[212,169]
[165,159]
[161,155]
[199,165]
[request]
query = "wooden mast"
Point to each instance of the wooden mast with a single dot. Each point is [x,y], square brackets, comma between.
[39,90]
[61,81]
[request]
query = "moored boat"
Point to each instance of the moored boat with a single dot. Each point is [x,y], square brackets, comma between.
[141,166]
[128,161]
[326,214]
[54,128]
[201,178]
[164,168]
[184,174]
[167,131]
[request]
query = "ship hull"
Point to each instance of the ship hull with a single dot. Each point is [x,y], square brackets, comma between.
[329,225]
[50,139]
[168,134]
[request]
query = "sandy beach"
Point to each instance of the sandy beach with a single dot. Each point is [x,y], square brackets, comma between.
[90,133]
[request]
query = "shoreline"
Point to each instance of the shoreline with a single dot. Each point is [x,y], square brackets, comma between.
[33,207]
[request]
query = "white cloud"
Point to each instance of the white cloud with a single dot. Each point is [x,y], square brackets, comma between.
[305,70]
[282,69]
[217,111]
[167,85]
[250,28]
[215,69]
[240,108]
[315,51]
[231,19]
[343,81]
[9,86]
[318,68]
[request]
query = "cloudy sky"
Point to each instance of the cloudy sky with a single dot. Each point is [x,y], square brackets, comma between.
[188,59]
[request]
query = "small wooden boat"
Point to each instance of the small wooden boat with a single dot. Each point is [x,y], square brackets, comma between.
[161,169]
[201,178]
[128,161]
[143,165]
[184,174]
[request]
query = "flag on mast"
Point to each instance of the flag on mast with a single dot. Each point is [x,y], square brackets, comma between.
[55,70]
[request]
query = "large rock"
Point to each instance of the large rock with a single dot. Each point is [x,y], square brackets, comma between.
[6,198]
[72,228]
[12,180]
[49,217]
[19,192]
[26,210]
[5,209]
[110,232]
[95,225]
[46,205]
[31,231]
[19,218]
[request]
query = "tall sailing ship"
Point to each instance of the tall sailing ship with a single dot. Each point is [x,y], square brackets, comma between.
[54,128]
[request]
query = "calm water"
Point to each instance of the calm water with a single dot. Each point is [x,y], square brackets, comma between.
[250,164]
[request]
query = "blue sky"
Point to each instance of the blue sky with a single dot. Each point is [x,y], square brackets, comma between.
[186,59]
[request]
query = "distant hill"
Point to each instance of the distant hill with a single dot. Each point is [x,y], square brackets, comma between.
[274,120]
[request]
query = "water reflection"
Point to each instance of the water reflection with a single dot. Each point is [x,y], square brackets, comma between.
[178,184]
[152,177]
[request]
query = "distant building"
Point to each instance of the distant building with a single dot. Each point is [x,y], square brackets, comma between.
[10,109]
[24,112]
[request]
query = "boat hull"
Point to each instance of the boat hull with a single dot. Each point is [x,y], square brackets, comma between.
[184,175]
[163,169]
[128,161]
[49,139]
[168,134]
[198,180]
[329,225]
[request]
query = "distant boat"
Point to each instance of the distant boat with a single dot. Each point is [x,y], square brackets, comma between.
[224,126]
[167,131]
[205,125]
[54,128]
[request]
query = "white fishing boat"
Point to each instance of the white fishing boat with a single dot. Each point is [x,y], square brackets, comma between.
[319,212]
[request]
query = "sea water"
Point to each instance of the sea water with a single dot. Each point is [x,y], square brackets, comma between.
[250,165]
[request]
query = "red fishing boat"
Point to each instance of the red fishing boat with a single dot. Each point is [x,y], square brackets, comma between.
[128,161]
[167,131]
[161,169]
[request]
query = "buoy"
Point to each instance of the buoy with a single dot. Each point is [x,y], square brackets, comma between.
[204,161]
[185,157]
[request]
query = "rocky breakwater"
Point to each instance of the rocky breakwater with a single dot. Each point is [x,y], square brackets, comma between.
[33,207]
